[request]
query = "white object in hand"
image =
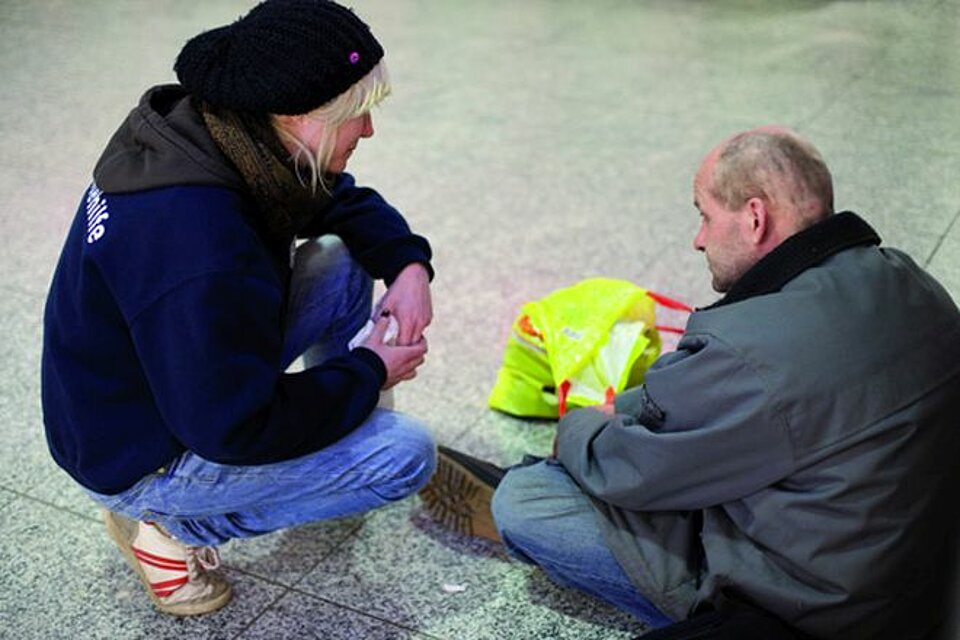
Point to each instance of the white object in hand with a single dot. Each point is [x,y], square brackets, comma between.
[388,337]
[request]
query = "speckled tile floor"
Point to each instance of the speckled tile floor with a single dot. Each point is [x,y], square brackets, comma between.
[535,143]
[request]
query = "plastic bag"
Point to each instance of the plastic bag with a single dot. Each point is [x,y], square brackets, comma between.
[578,346]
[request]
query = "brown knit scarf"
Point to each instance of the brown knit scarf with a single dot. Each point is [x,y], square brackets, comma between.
[249,141]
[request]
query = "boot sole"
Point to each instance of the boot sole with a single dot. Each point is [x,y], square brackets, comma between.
[459,500]
[123,531]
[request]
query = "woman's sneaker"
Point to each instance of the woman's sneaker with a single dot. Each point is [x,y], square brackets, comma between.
[459,493]
[179,578]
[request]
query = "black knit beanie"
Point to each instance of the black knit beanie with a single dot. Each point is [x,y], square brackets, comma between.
[285,57]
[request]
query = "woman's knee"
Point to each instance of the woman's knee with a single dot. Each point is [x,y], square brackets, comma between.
[326,262]
[322,253]
[422,455]
[413,455]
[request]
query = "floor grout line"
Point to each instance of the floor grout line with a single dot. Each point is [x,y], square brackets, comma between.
[262,612]
[288,589]
[826,105]
[941,240]
[47,503]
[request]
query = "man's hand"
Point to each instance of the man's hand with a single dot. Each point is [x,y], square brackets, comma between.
[401,361]
[605,409]
[408,301]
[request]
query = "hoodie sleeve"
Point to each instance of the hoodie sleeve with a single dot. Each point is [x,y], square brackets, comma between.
[211,352]
[702,430]
[375,233]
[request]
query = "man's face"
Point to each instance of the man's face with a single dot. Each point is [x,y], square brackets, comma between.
[724,233]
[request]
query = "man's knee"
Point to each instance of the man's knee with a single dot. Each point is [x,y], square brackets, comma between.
[514,502]
[540,502]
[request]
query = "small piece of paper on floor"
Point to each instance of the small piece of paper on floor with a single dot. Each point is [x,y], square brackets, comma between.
[454,588]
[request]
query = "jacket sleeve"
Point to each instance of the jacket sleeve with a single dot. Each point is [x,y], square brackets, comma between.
[702,430]
[211,351]
[375,233]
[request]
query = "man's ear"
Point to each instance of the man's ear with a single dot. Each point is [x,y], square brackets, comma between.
[758,219]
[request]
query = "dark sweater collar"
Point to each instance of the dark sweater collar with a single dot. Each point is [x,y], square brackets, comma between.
[798,253]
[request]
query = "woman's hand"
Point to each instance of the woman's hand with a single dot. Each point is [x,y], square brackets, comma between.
[408,301]
[401,362]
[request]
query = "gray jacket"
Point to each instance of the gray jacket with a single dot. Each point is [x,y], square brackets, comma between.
[798,451]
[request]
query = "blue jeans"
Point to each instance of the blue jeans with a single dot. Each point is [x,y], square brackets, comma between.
[545,519]
[388,457]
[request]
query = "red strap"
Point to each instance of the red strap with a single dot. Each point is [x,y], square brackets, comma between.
[562,396]
[677,330]
[160,562]
[167,584]
[669,303]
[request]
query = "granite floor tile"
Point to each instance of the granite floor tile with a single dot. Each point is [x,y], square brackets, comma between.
[297,616]
[7,498]
[504,439]
[921,58]
[554,614]
[945,264]
[35,222]
[69,562]
[57,489]
[24,454]
[436,397]
[890,115]
[402,567]
[883,187]
[284,557]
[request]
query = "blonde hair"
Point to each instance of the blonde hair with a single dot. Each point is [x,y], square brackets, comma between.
[360,98]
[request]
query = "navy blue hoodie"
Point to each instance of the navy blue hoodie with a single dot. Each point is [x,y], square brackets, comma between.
[163,325]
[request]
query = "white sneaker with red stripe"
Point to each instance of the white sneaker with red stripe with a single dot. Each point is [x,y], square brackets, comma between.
[179,578]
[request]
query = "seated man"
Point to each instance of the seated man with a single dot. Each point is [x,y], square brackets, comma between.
[795,455]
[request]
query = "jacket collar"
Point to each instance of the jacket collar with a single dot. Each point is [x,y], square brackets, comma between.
[798,253]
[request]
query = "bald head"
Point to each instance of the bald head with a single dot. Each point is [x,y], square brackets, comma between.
[753,191]
[777,165]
